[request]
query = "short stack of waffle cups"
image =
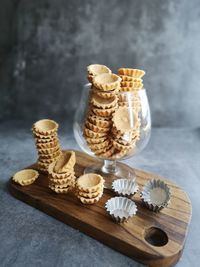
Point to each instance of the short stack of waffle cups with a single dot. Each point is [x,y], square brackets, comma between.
[61,173]
[103,102]
[47,142]
[89,188]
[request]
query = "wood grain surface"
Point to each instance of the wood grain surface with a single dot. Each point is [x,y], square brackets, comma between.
[155,239]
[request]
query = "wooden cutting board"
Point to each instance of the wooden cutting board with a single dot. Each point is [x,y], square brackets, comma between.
[155,239]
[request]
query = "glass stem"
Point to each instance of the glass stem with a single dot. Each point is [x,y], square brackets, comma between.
[109,166]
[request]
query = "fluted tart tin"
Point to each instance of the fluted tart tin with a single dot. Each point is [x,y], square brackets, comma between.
[156,195]
[121,208]
[125,187]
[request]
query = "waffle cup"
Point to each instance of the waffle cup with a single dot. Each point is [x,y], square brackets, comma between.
[136,73]
[90,200]
[100,151]
[44,138]
[107,82]
[47,151]
[96,69]
[95,128]
[105,94]
[104,112]
[59,181]
[50,156]
[103,145]
[95,140]
[136,87]
[126,78]
[121,208]
[91,134]
[104,103]
[99,121]
[65,162]
[124,119]
[125,187]
[156,195]
[63,189]
[45,127]
[107,154]
[25,177]
[89,183]
[56,175]
[50,144]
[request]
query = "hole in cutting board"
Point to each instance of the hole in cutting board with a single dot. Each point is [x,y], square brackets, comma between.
[156,237]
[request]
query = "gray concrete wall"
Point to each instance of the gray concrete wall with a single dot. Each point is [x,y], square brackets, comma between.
[45,46]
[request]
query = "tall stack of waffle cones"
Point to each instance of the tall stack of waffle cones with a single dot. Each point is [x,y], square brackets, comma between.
[47,142]
[112,124]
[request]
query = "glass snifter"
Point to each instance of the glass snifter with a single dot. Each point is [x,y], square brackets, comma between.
[128,135]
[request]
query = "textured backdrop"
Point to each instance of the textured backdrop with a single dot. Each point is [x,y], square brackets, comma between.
[45,46]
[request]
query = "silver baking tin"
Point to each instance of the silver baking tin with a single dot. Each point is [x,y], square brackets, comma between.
[156,195]
[121,208]
[125,187]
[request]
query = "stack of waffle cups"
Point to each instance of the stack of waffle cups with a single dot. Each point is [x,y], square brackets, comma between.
[126,121]
[103,102]
[47,142]
[61,173]
[89,188]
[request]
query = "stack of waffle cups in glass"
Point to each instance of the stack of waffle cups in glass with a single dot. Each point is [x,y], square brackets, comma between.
[89,188]
[112,124]
[47,142]
[126,120]
[103,101]
[61,173]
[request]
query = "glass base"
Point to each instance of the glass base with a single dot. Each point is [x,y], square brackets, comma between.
[111,172]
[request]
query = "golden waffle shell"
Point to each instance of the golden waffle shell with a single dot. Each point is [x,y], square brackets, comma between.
[131,89]
[59,175]
[45,127]
[130,79]
[95,140]
[47,137]
[106,81]
[105,94]
[104,112]
[92,134]
[119,146]
[100,102]
[102,150]
[89,183]
[51,150]
[90,195]
[96,69]
[60,190]
[65,162]
[119,121]
[50,155]
[99,121]
[95,128]
[47,145]
[136,73]
[25,177]
[102,145]
[90,200]
[58,181]
[46,140]
[107,154]
[47,160]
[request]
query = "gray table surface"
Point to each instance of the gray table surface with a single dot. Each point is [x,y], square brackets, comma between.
[29,237]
